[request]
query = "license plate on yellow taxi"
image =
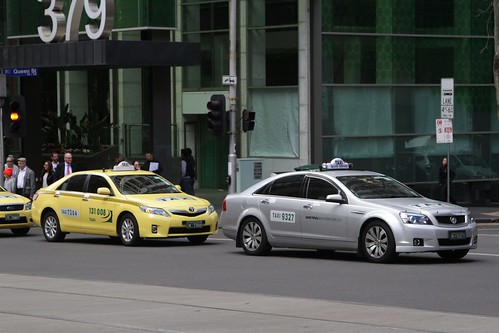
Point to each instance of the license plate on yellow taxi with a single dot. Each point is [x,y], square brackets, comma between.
[12,217]
[194,224]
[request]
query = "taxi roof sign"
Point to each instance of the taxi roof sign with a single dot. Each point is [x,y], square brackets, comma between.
[336,164]
[123,166]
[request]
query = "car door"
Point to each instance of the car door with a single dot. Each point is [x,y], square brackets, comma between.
[322,222]
[67,203]
[280,208]
[97,210]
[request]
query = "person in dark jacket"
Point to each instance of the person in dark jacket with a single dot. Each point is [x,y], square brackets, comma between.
[188,171]
[442,181]
[46,175]
[65,168]
[151,164]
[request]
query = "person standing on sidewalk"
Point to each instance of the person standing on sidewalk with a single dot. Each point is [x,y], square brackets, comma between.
[26,184]
[442,181]
[188,171]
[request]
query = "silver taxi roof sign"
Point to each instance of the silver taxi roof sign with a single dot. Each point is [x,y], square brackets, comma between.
[123,166]
[336,164]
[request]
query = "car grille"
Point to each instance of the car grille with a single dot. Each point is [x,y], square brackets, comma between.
[11,208]
[451,219]
[192,213]
[174,231]
[22,219]
[448,242]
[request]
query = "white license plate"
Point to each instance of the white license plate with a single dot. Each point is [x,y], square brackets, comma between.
[194,224]
[12,217]
[457,235]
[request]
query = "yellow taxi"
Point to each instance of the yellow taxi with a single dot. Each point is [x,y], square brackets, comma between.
[15,213]
[125,203]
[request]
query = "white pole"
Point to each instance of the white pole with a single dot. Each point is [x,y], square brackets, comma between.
[232,97]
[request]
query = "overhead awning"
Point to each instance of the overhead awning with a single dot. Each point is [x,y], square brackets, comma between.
[100,53]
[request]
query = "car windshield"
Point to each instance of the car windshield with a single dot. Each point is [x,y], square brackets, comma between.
[377,187]
[143,184]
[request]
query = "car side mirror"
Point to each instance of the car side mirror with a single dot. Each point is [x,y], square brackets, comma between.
[103,191]
[337,198]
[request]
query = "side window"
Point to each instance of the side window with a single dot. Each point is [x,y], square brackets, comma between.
[96,182]
[319,189]
[288,186]
[74,183]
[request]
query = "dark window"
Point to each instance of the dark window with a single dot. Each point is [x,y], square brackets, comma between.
[288,186]
[356,13]
[279,12]
[434,13]
[74,184]
[96,182]
[319,189]
[432,64]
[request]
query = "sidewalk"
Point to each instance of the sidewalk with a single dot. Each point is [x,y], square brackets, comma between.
[481,214]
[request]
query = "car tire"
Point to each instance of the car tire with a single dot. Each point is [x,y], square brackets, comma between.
[197,240]
[378,243]
[51,228]
[128,230]
[20,231]
[253,238]
[452,255]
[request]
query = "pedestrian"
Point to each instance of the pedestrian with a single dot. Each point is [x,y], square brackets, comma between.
[9,182]
[151,164]
[25,184]
[65,168]
[136,165]
[55,160]
[9,163]
[442,180]
[188,171]
[46,175]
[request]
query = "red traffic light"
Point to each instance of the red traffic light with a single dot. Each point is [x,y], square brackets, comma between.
[248,120]
[217,116]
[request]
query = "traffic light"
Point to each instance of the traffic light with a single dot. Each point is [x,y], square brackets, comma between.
[217,116]
[248,120]
[14,117]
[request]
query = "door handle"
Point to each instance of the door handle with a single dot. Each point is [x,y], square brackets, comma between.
[308,206]
[265,201]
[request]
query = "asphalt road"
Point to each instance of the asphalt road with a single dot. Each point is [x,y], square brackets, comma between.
[422,282]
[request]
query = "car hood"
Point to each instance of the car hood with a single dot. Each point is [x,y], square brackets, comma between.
[168,200]
[420,205]
[11,198]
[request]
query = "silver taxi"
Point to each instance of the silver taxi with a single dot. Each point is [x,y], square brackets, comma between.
[344,209]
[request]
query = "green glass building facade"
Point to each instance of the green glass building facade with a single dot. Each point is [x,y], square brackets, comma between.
[357,79]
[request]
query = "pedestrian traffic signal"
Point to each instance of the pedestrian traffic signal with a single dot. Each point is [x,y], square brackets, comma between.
[217,116]
[14,117]
[248,120]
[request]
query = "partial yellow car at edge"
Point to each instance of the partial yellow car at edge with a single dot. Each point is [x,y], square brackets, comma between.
[124,203]
[15,213]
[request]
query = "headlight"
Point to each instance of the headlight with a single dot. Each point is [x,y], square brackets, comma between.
[414,218]
[153,210]
[211,209]
[27,206]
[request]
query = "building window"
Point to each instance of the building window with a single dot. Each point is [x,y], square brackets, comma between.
[207,23]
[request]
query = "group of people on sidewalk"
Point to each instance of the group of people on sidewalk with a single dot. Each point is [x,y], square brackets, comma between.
[22,180]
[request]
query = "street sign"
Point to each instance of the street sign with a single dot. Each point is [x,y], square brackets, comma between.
[228,80]
[447,98]
[17,72]
[444,131]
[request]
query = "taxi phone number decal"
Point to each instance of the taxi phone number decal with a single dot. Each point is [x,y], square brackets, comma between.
[282,216]
[106,215]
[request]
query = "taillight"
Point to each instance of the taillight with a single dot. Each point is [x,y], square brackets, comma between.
[224,206]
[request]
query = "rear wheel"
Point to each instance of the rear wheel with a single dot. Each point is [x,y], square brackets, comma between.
[197,239]
[20,231]
[253,238]
[128,230]
[378,243]
[51,228]
[452,255]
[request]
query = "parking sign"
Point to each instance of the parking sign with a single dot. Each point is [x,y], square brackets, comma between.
[444,130]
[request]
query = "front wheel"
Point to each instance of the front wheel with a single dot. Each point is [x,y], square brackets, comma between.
[20,231]
[253,238]
[128,230]
[378,243]
[452,255]
[51,228]
[196,240]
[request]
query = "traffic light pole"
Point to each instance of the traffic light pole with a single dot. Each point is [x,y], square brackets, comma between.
[232,165]
[3,95]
